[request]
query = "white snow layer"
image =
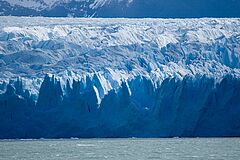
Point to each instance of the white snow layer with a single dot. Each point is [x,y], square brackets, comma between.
[115,50]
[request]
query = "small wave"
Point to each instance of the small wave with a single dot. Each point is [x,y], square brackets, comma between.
[85,145]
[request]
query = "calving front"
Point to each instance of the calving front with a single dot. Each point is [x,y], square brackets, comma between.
[119,77]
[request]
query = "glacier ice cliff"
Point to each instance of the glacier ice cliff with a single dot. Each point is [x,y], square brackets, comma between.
[64,77]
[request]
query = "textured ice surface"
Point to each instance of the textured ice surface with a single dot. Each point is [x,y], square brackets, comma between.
[119,77]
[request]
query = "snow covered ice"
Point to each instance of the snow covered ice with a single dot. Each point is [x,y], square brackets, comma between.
[65,77]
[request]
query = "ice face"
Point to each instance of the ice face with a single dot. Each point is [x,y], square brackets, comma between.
[193,106]
[119,77]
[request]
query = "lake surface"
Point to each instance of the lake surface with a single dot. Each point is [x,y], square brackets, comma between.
[122,149]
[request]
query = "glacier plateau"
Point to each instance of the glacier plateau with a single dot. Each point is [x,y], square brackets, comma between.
[80,77]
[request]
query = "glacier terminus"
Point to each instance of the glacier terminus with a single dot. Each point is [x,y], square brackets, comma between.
[82,77]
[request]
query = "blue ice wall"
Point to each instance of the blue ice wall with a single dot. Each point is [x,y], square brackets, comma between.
[197,106]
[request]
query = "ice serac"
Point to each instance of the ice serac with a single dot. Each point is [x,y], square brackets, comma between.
[64,77]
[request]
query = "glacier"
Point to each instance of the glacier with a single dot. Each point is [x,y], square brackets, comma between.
[81,77]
